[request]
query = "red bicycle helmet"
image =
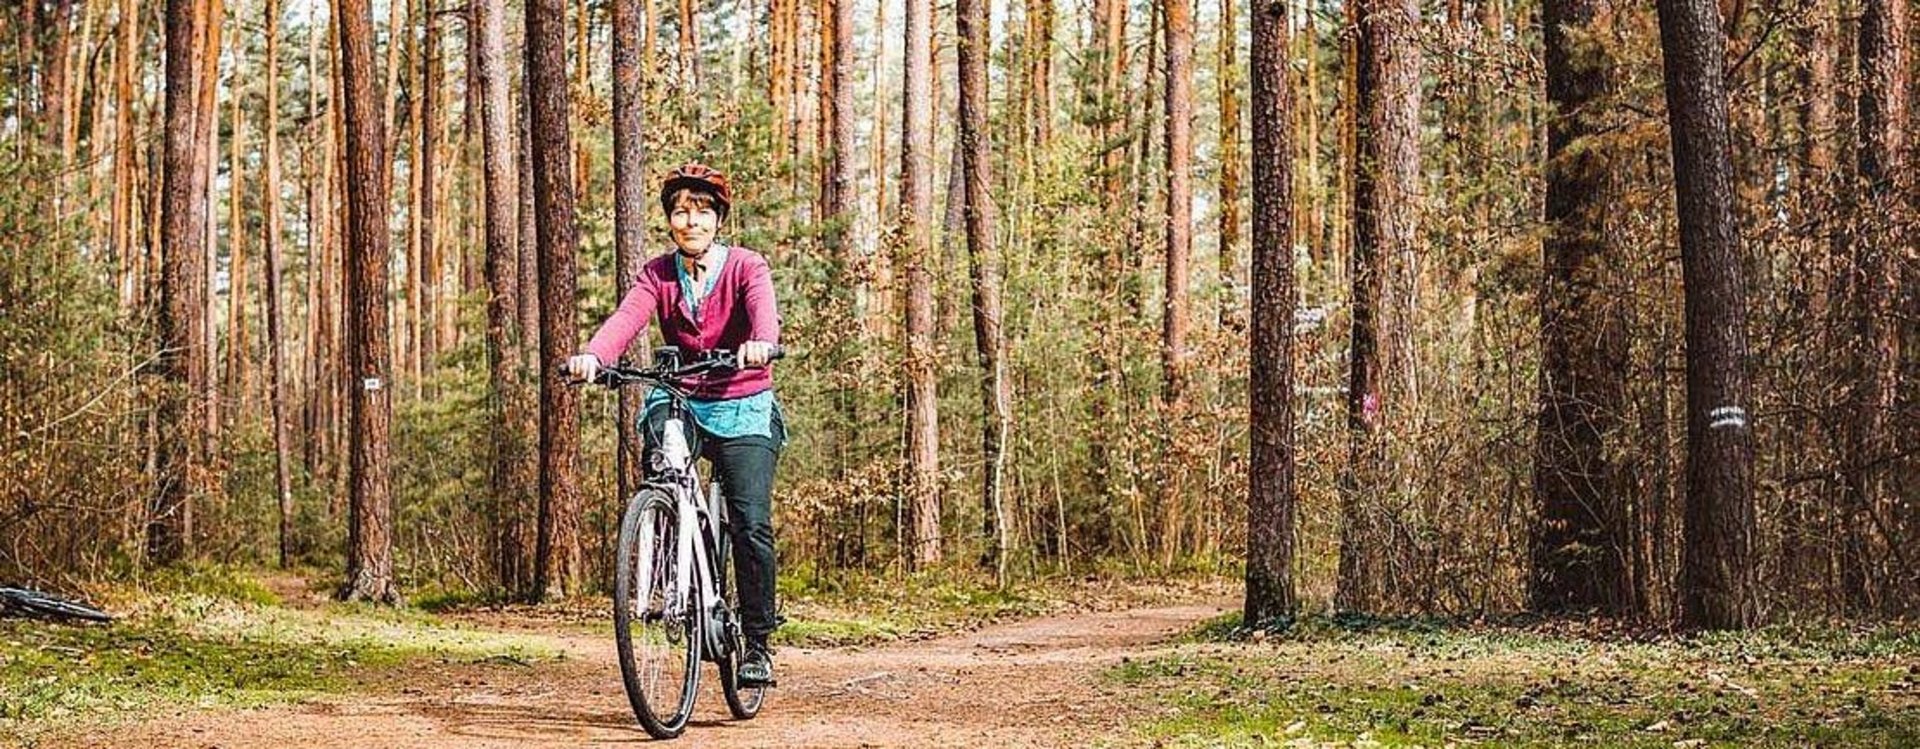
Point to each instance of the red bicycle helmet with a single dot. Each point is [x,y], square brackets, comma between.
[696,175]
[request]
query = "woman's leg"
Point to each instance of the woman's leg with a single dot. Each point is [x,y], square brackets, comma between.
[745,469]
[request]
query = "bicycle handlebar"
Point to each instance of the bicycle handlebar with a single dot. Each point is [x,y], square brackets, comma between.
[617,375]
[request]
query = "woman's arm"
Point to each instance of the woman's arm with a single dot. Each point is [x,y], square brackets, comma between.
[763,316]
[630,320]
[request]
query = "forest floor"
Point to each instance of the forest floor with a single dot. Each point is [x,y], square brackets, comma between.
[267,662]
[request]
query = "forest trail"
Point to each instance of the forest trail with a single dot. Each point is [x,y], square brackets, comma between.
[1030,683]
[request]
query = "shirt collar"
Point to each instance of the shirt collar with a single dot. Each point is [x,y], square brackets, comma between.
[715,259]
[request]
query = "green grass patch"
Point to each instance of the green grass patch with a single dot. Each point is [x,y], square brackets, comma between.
[858,610]
[218,639]
[1326,681]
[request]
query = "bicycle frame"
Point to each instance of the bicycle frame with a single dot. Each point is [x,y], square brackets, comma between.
[681,480]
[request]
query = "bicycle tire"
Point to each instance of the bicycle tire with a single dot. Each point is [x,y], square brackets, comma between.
[35,603]
[742,703]
[647,535]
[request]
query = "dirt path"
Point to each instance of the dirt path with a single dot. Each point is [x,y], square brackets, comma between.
[1032,683]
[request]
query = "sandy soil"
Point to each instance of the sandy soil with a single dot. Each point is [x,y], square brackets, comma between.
[1032,683]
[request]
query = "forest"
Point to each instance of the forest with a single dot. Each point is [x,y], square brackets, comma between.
[1158,372]
[1444,308]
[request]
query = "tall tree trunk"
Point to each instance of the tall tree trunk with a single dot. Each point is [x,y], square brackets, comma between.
[276,336]
[989,340]
[557,554]
[916,237]
[127,248]
[689,52]
[1179,247]
[1038,101]
[1270,596]
[55,82]
[835,212]
[1179,229]
[1879,230]
[629,205]
[1716,557]
[397,12]
[1228,39]
[425,277]
[1578,558]
[369,365]
[1386,183]
[779,84]
[182,316]
[529,301]
[514,469]
[1110,29]
[1802,552]
[237,374]
[207,133]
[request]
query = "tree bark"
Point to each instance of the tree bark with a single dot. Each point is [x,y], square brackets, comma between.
[1386,184]
[689,51]
[1179,228]
[426,277]
[127,248]
[916,233]
[370,500]
[1579,561]
[182,315]
[1716,558]
[1270,596]
[1879,231]
[1039,99]
[1229,251]
[989,339]
[514,468]
[276,326]
[237,375]
[206,131]
[629,206]
[1110,28]
[557,556]
[835,213]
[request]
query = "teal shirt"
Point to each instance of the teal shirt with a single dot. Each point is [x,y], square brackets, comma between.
[696,296]
[747,416]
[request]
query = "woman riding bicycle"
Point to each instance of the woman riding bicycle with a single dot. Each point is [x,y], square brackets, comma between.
[710,296]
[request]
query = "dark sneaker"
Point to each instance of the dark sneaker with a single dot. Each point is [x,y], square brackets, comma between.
[756,665]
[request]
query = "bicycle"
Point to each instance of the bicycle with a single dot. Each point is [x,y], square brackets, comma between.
[673,586]
[33,603]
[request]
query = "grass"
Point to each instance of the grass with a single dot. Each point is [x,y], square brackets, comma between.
[217,638]
[853,609]
[1326,682]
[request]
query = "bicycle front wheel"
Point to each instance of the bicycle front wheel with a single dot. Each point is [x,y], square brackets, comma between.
[656,624]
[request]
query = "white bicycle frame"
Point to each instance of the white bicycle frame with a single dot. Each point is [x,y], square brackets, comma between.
[690,592]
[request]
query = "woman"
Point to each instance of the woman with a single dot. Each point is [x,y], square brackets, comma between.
[708,296]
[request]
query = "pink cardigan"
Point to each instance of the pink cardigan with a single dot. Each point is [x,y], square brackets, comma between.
[739,309]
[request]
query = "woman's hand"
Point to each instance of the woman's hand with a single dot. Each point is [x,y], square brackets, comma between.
[755,353]
[582,367]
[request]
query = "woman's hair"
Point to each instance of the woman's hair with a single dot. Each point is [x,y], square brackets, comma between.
[697,198]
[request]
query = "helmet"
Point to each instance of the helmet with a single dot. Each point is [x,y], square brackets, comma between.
[697,176]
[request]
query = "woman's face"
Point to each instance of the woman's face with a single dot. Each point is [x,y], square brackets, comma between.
[693,227]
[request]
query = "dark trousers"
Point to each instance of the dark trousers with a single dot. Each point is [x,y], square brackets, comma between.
[744,468]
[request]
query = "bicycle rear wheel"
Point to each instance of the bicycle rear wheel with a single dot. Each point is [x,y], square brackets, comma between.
[742,702]
[655,626]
